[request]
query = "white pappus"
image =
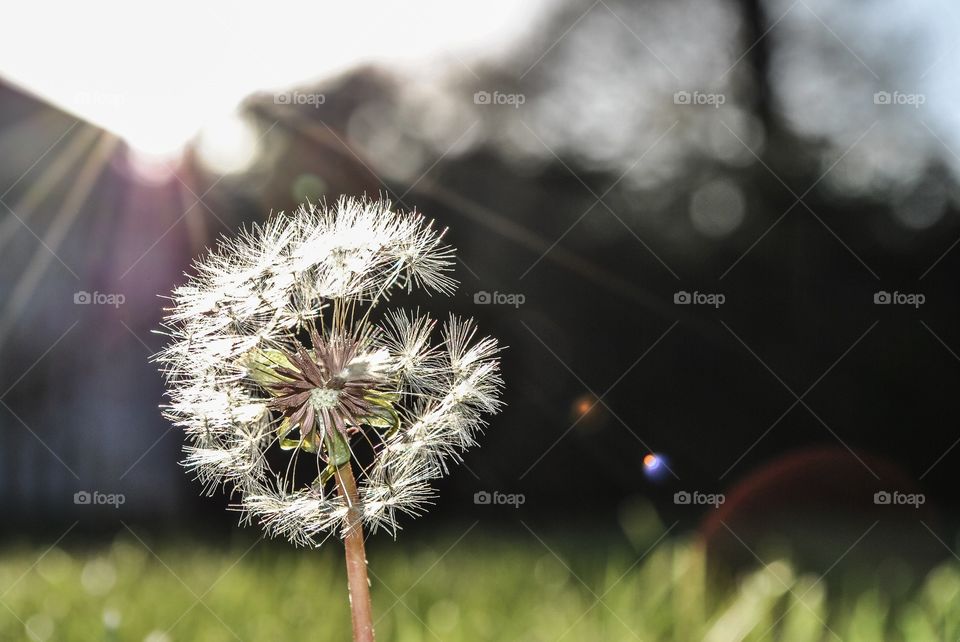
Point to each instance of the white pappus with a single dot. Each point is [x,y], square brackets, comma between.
[284,364]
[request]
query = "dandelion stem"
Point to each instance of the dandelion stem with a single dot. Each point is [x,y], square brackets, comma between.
[361,612]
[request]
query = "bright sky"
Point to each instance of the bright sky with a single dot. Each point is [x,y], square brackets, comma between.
[156,73]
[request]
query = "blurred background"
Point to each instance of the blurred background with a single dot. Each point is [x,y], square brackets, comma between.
[718,238]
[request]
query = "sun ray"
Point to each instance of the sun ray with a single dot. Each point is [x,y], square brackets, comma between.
[51,174]
[56,232]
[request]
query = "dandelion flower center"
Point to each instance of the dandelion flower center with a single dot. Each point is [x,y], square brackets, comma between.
[324,398]
[324,390]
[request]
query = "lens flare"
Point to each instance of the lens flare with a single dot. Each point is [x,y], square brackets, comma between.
[584,406]
[654,466]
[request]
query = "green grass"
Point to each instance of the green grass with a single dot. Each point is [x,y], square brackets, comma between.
[482,587]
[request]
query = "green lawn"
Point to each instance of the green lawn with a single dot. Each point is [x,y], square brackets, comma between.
[472,586]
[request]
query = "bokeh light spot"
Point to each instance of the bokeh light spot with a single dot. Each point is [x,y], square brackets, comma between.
[717,208]
[39,627]
[308,187]
[228,146]
[923,207]
[584,406]
[654,466]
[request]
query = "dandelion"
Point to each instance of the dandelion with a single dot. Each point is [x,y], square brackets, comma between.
[323,411]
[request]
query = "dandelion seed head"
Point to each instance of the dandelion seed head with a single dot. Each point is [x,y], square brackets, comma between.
[280,343]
